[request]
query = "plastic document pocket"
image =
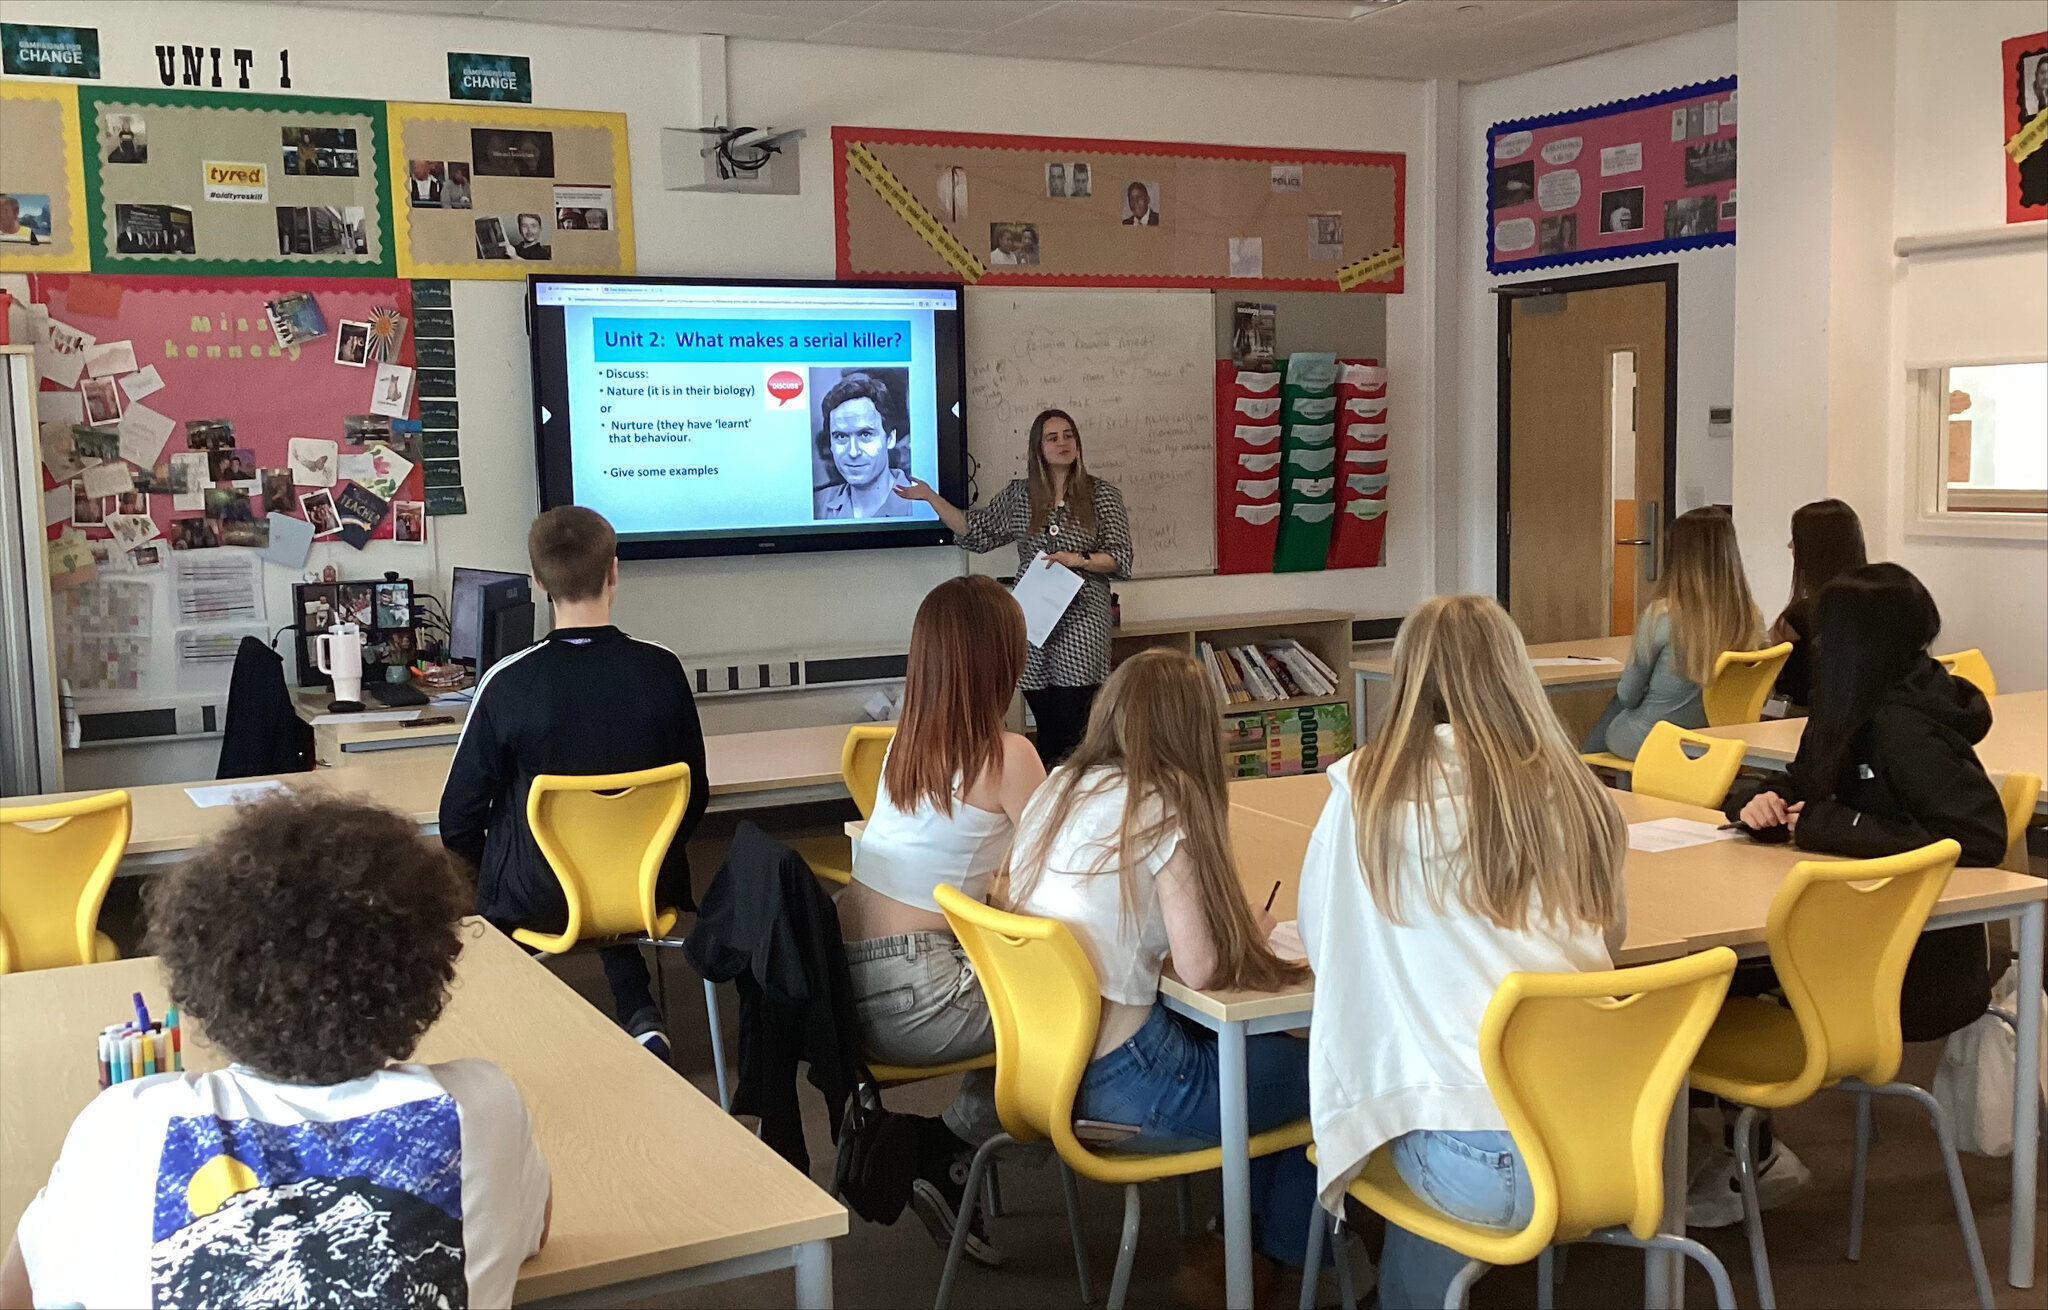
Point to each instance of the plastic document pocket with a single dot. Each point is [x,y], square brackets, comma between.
[1366,484]
[1315,461]
[1257,384]
[1259,463]
[1313,513]
[1312,434]
[1258,434]
[1313,488]
[1258,488]
[1259,514]
[1255,408]
[1313,407]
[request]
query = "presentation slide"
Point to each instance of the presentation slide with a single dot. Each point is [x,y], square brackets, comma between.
[756,416]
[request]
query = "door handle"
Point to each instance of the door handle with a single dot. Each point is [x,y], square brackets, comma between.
[1634,541]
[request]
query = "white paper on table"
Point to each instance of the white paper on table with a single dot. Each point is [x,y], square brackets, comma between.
[234,793]
[143,433]
[1575,661]
[1675,834]
[1285,941]
[108,479]
[107,358]
[60,407]
[1043,593]
[146,383]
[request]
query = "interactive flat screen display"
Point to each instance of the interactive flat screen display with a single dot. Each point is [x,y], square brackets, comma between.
[730,417]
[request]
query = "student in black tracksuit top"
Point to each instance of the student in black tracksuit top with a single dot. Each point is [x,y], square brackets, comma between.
[587,700]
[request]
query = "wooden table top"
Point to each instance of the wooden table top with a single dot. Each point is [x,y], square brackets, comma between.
[1550,675]
[650,1176]
[2017,742]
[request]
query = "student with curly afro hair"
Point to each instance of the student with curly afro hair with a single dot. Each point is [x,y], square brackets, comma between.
[314,940]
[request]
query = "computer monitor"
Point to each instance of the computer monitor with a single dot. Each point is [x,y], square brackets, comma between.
[507,627]
[466,611]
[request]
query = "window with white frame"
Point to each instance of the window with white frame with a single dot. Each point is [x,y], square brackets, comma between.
[1984,440]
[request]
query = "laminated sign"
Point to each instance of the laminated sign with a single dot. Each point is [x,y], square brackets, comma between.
[247,184]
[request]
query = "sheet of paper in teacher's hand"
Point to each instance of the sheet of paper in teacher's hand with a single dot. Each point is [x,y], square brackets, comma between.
[1043,593]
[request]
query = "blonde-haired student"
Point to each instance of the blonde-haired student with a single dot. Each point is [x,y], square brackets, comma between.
[1465,843]
[1700,608]
[1128,845]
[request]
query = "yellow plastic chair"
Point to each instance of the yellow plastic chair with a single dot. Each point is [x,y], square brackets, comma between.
[56,863]
[1585,1068]
[860,764]
[605,836]
[1046,1003]
[1663,768]
[2018,793]
[1840,933]
[1971,666]
[1736,693]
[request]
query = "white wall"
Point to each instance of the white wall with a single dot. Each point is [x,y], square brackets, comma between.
[1706,284]
[820,601]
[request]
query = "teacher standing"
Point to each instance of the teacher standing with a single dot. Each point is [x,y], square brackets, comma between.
[1076,520]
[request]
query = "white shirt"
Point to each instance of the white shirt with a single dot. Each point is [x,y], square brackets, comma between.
[905,853]
[1081,887]
[1395,1043]
[419,1185]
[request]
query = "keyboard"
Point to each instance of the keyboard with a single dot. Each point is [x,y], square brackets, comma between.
[396,695]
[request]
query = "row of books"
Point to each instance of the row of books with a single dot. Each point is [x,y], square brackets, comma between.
[1283,669]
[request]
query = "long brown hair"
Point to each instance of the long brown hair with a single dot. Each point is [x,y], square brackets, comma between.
[1080,490]
[966,654]
[1154,729]
[1827,540]
[1536,826]
[1705,592]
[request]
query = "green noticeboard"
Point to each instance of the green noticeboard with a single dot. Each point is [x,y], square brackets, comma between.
[27,50]
[490,77]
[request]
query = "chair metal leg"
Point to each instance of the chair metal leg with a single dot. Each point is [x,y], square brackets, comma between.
[2011,1021]
[1347,1296]
[965,1219]
[1312,1258]
[992,1191]
[1752,1212]
[1184,1203]
[1966,1218]
[1546,1280]
[1072,1189]
[1857,1172]
[1461,1286]
[1126,1249]
[717,1044]
[1717,1273]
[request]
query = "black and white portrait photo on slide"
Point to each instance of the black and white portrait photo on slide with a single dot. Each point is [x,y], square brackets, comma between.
[860,421]
[1621,211]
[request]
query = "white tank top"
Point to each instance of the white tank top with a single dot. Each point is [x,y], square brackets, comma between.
[905,853]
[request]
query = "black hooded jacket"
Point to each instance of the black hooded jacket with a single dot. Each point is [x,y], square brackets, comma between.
[1910,777]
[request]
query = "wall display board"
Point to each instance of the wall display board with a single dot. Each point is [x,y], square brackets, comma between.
[1078,211]
[1133,369]
[1633,177]
[2023,111]
[496,191]
[229,183]
[42,190]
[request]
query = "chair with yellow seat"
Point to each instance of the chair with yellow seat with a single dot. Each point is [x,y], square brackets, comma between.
[1586,1069]
[1840,933]
[2018,793]
[606,836]
[1736,693]
[1664,769]
[1045,1003]
[1971,666]
[860,765]
[56,863]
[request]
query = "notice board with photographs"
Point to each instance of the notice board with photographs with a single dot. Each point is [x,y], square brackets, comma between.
[1633,177]
[2023,106]
[42,180]
[500,191]
[214,182]
[1008,210]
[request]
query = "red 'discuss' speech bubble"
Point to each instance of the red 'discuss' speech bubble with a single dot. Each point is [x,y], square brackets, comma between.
[785,386]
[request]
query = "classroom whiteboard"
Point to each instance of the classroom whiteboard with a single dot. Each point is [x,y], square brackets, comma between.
[1137,371]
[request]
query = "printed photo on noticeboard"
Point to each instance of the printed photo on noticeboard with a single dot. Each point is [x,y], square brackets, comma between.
[1141,204]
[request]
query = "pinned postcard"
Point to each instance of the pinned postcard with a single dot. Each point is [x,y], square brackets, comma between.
[146,383]
[290,539]
[131,530]
[143,432]
[60,450]
[60,355]
[108,479]
[71,561]
[106,358]
[379,468]
[392,392]
[315,462]
[190,476]
[60,407]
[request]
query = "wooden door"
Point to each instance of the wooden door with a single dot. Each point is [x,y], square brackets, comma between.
[1573,568]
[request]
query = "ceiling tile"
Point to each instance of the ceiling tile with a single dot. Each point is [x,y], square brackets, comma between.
[1078,29]
[894,38]
[629,15]
[471,8]
[949,15]
[759,21]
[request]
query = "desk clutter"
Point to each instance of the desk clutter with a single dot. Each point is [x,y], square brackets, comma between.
[142,1048]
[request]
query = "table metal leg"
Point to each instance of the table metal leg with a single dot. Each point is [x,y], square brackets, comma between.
[814,1276]
[1664,1273]
[2026,1097]
[1237,1166]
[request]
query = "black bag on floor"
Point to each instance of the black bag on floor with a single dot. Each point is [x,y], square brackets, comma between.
[878,1155]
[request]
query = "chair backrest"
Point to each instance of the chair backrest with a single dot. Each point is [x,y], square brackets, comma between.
[605,836]
[1741,684]
[1971,666]
[1840,933]
[860,762]
[56,862]
[1045,1003]
[2018,793]
[1663,769]
[1584,1067]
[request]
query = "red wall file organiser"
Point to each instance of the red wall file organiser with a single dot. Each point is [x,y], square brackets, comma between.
[1248,468]
[1360,537]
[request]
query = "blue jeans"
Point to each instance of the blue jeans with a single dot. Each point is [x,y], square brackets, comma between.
[1476,1177]
[1163,1081]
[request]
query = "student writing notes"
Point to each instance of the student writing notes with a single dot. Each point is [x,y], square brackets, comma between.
[953,786]
[1465,843]
[1888,764]
[1827,540]
[1701,607]
[1127,844]
[587,700]
[315,939]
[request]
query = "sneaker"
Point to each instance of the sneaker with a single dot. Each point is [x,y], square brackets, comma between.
[937,1202]
[646,1028]
[1714,1197]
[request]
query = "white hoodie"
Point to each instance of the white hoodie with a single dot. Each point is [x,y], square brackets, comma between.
[1394,1047]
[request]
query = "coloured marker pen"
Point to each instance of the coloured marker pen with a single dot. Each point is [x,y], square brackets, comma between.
[106,1073]
[133,1055]
[148,1055]
[141,1014]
